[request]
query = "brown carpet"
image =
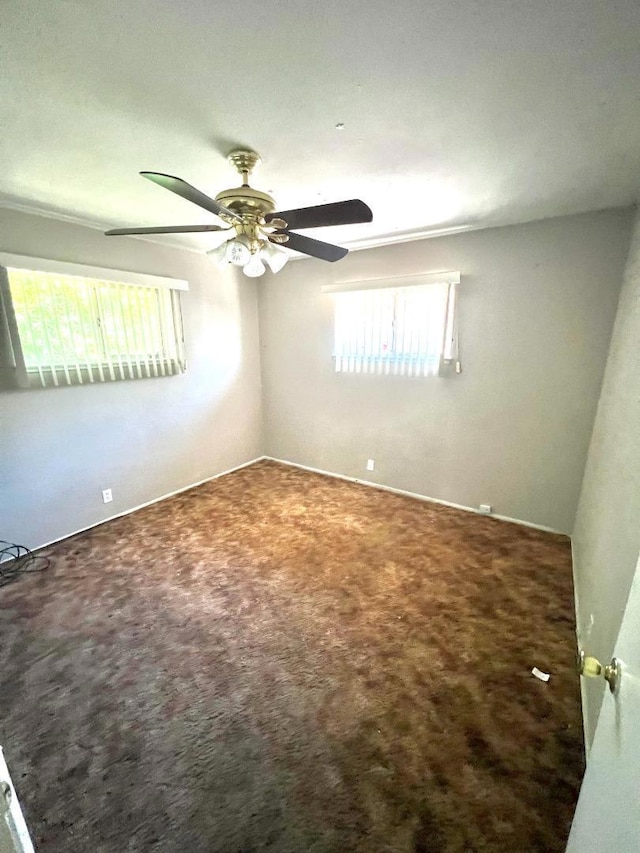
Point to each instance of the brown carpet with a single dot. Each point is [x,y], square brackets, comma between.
[282,661]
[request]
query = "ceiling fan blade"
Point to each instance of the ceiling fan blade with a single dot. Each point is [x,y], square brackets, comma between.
[315,248]
[336,213]
[182,188]
[165,229]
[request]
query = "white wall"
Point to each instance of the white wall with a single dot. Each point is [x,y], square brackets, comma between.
[59,447]
[537,303]
[606,538]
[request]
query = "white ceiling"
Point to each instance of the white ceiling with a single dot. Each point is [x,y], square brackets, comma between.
[456,112]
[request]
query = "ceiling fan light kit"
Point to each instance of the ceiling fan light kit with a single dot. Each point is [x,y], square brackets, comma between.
[238,251]
[255,235]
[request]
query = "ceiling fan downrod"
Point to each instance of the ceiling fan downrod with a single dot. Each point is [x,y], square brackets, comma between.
[244,162]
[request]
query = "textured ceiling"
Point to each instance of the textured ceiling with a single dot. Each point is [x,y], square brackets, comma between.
[456,113]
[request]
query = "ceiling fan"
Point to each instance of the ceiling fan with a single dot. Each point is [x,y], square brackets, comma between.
[254,232]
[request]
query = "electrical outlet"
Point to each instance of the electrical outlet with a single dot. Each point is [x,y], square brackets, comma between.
[107,496]
[370,464]
[487,509]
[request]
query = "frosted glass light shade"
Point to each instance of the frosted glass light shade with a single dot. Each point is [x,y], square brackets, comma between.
[238,253]
[275,256]
[254,267]
[219,255]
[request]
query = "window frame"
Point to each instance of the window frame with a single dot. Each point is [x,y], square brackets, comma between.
[15,372]
[395,362]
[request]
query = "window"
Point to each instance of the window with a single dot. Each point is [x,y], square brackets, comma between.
[399,326]
[64,324]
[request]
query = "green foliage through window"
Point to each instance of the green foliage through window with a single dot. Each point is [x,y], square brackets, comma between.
[73,329]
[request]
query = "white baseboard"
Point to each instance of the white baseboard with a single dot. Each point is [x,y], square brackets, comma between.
[313,470]
[414,495]
[149,503]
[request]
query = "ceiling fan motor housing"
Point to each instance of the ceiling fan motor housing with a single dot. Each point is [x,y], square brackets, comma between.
[244,200]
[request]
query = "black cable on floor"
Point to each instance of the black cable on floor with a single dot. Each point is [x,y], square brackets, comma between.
[16,560]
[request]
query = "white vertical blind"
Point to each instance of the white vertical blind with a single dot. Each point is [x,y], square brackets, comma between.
[407,331]
[73,329]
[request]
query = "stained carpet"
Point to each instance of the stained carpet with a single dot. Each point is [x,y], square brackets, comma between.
[281,661]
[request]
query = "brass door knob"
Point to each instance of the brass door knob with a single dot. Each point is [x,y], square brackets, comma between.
[591,667]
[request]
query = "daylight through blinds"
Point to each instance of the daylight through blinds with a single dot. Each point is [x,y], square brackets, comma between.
[74,330]
[400,330]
